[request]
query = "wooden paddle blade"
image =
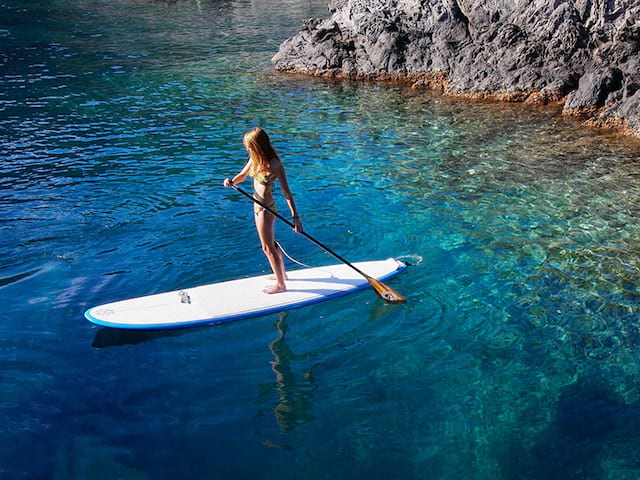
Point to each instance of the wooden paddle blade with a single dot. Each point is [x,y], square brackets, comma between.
[386,293]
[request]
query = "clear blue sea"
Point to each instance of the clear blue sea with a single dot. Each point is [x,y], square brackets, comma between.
[516,355]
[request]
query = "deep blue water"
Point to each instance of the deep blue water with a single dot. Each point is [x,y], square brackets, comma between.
[516,355]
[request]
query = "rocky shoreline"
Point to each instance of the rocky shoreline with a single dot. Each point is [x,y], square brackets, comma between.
[582,54]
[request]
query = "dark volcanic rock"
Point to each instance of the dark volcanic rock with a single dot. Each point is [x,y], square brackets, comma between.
[583,52]
[595,90]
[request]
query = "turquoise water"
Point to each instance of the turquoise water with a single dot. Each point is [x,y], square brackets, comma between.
[516,355]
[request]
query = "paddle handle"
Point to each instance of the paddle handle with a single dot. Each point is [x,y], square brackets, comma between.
[317,242]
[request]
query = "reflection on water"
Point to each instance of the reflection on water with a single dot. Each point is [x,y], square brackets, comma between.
[294,395]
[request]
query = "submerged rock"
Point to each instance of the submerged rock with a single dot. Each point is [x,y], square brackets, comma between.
[584,53]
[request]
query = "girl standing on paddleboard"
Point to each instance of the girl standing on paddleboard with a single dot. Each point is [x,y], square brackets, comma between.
[265,167]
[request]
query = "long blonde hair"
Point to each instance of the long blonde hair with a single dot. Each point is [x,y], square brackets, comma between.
[261,151]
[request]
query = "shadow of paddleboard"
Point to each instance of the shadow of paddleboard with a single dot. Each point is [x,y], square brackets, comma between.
[117,337]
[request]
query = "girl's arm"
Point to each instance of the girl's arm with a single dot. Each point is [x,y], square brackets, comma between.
[286,191]
[240,177]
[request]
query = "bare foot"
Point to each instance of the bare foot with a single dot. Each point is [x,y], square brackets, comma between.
[274,289]
[273,277]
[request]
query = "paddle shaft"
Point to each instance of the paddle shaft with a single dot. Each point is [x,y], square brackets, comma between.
[317,242]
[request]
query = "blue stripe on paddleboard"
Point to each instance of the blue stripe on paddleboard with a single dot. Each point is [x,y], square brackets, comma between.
[239,316]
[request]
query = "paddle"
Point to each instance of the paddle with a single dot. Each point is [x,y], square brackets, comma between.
[386,293]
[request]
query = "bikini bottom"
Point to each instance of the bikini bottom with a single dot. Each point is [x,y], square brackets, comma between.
[258,209]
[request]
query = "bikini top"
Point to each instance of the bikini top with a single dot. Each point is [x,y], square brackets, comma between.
[262,178]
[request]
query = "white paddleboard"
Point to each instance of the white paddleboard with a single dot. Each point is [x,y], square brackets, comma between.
[237,299]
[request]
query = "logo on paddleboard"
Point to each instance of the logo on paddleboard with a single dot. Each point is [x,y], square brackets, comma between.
[184,297]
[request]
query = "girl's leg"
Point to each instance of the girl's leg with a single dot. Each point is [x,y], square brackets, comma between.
[265,223]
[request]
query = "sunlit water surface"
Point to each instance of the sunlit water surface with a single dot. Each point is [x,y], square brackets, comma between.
[516,355]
